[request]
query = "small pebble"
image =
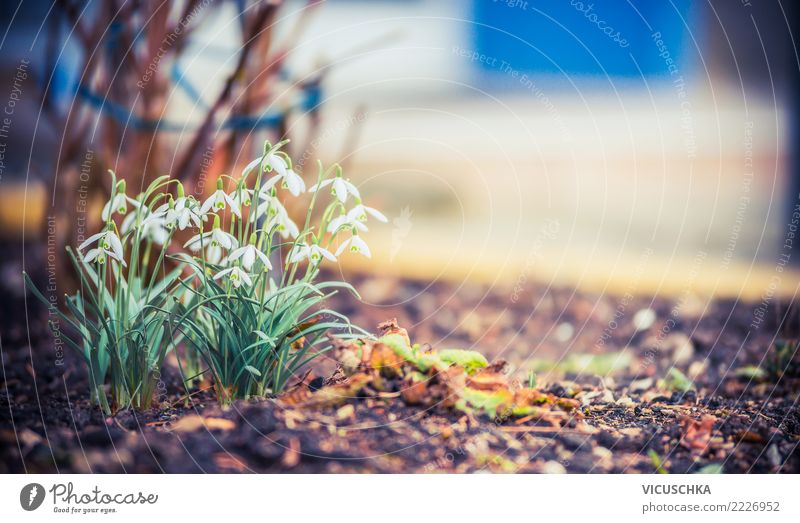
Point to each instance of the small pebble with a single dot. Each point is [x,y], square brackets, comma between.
[564,332]
[602,453]
[644,319]
[626,402]
[553,467]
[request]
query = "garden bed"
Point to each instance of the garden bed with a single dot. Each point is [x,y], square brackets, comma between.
[633,416]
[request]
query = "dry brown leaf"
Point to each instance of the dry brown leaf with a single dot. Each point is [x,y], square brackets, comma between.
[384,359]
[697,433]
[229,462]
[195,422]
[483,380]
[414,392]
[392,327]
[291,457]
[531,397]
[333,395]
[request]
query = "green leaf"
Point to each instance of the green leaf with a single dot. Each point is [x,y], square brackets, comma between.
[677,381]
[252,370]
[469,359]
[711,468]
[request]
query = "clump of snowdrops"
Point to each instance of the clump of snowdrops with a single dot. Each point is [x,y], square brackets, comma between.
[242,296]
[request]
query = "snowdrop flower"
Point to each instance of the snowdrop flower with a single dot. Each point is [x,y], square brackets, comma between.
[216,237]
[180,212]
[242,196]
[356,244]
[291,180]
[152,227]
[269,205]
[314,253]
[283,224]
[219,199]
[130,220]
[341,187]
[236,276]
[360,211]
[271,162]
[343,222]
[108,244]
[118,204]
[186,211]
[248,254]
[214,254]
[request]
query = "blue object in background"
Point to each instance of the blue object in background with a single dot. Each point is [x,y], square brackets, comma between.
[585,38]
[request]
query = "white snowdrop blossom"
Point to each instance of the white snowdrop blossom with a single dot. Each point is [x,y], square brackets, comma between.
[356,245]
[186,211]
[314,253]
[118,204]
[343,222]
[108,244]
[235,275]
[284,225]
[243,197]
[341,188]
[214,254]
[272,160]
[151,227]
[219,200]
[215,237]
[291,180]
[248,254]
[360,211]
[268,205]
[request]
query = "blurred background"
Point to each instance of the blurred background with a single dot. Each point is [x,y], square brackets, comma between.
[596,144]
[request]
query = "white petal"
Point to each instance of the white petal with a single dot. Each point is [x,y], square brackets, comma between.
[337,222]
[234,255]
[249,258]
[377,214]
[301,253]
[327,254]
[352,188]
[250,166]
[91,239]
[183,219]
[213,254]
[234,206]
[222,273]
[264,259]
[116,245]
[92,254]
[343,246]
[269,184]
[340,190]
[207,205]
[194,242]
[277,163]
[106,211]
[324,183]
[363,248]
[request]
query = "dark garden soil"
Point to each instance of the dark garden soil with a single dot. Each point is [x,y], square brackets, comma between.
[633,417]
